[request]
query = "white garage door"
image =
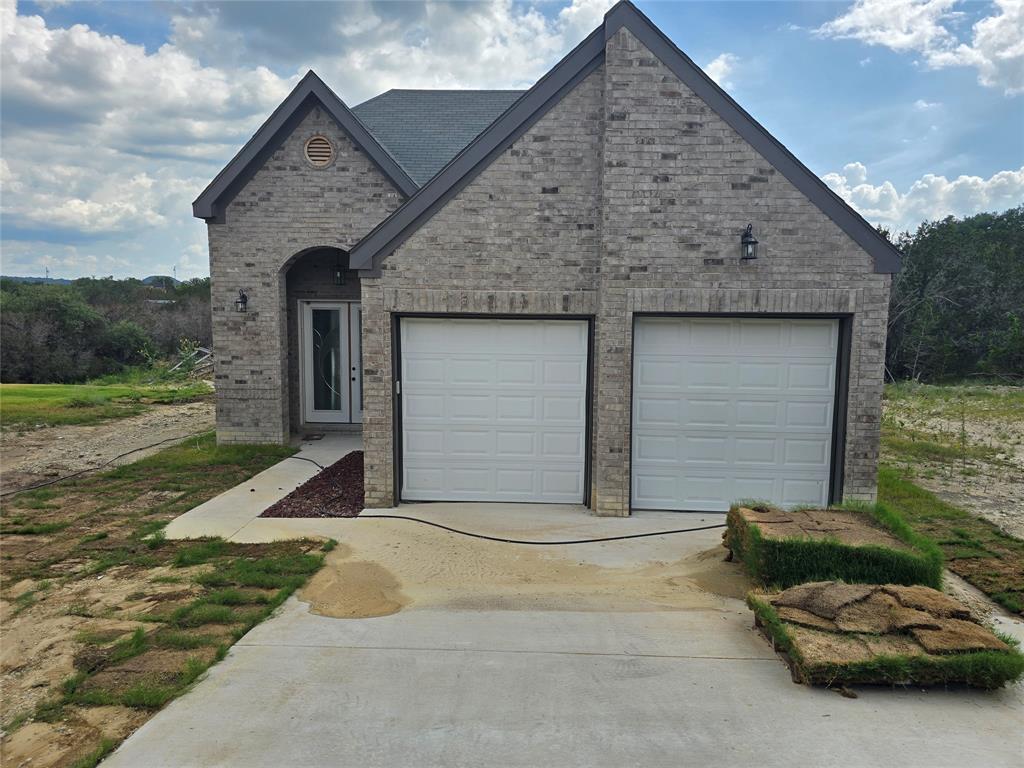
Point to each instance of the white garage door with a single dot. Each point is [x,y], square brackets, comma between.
[493,410]
[728,409]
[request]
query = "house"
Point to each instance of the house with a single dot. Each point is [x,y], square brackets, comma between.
[548,296]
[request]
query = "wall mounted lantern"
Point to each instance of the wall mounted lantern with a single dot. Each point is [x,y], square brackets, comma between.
[339,271]
[242,302]
[748,244]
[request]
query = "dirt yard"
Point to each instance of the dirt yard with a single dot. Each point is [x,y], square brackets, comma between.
[103,621]
[965,444]
[38,455]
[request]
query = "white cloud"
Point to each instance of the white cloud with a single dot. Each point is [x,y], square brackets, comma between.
[923,106]
[106,143]
[926,27]
[929,198]
[721,67]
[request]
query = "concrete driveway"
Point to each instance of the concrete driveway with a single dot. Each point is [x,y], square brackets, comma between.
[416,647]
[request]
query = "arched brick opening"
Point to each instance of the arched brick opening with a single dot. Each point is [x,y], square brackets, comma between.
[310,276]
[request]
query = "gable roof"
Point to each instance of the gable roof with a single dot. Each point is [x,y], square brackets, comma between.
[423,130]
[531,106]
[309,92]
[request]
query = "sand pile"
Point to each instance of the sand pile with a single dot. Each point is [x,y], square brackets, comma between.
[870,633]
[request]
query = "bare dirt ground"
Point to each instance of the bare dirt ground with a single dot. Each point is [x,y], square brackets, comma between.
[384,571]
[983,469]
[38,455]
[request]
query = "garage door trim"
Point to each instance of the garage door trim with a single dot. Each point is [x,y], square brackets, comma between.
[396,377]
[842,383]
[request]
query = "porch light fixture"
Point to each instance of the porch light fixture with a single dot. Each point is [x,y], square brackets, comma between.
[242,302]
[748,244]
[339,271]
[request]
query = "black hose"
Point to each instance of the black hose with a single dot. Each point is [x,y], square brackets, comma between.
[99,467]
[303,458]
[536,543]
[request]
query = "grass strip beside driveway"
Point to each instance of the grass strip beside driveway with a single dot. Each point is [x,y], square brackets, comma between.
[128,619]
[974,549]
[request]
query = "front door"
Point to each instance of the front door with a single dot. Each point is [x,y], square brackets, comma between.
[331,362]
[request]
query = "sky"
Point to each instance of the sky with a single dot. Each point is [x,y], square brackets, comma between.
[115,115]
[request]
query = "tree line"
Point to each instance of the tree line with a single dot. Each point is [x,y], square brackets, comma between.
[956,309]
[95,327]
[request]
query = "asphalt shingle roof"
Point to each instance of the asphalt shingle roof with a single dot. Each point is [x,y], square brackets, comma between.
[423,130]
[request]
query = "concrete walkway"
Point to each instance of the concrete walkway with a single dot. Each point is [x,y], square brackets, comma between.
[228,513]
[635,653]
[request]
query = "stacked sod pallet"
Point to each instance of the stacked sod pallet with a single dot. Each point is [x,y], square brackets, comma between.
[858,604]
[866,544]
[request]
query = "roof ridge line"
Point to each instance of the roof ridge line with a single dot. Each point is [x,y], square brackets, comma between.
[447,182]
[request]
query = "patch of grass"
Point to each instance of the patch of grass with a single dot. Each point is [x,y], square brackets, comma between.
[975,549]
[787,561]
[131,646]
[25,406]
[981,669]
[92,759]
[184,641]
[99,638]
[200,613]
[133,505]
[193,669]
[235,597]
[167,580]
[147,696]
[329,545]
[32,529]
[203,552]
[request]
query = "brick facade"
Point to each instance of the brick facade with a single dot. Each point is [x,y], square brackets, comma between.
[286,208]
[628,196]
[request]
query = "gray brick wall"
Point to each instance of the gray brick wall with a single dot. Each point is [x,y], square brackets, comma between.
[287,207]
[521,238]
[675,186]
[679,187]
[628,196]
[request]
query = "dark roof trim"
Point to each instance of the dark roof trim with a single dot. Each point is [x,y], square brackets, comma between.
[309,91]
[394,230]
[625,14]
[465,166]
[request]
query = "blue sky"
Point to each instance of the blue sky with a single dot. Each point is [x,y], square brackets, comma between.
[115,115]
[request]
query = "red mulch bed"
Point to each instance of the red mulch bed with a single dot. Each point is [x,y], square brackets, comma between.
[335,491]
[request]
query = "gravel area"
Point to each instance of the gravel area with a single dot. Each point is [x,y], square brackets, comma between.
[336,491]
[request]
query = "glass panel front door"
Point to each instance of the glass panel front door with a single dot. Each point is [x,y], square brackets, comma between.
[331,365]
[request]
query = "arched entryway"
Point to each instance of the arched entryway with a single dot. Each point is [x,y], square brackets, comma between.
[324,350]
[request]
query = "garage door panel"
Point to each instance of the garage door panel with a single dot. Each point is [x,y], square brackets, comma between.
[564,373]
[422,407]
[755,451]
[424,442]
[758,375]
[496,410]
[564,409]
[732,408]
[809,415]
[516,373]
[707,413]
[766,335]
[810,377]
[808,452]
[655,411]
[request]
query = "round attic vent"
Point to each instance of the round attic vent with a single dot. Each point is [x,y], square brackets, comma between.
[319,151]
